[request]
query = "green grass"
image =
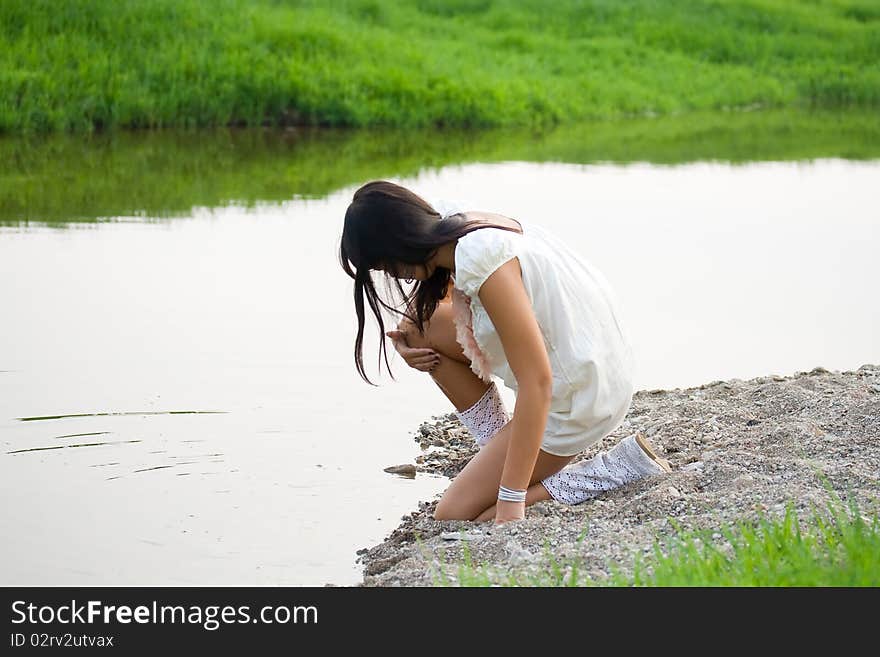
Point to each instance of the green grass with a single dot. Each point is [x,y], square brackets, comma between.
[829,550]
[834,547]
[81,64]
[60,179]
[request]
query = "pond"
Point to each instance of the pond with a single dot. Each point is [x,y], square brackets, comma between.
[178,398]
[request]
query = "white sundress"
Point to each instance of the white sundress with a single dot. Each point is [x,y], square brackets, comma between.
[590,354]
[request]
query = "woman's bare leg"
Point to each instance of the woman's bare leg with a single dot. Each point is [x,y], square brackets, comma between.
[453,374]
[475,488]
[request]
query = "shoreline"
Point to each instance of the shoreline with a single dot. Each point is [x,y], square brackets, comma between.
[739,449]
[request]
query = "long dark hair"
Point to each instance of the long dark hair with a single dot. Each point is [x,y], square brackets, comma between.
[386,225]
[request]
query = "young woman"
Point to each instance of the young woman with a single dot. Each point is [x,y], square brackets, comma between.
[493,295]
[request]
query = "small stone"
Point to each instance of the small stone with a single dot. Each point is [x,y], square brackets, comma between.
[744,481]
[518,554]
[405,470]
[753,422]
[674,492]
[696,465]
[460,536]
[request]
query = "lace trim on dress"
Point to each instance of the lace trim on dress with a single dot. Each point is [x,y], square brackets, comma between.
[464,334]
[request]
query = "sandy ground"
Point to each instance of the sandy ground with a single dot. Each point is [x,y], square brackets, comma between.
[739,450]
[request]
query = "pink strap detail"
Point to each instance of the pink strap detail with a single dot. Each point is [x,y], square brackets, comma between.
[464,334]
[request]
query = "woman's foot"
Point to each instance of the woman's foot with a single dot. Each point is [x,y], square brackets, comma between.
[629,460]
[647,447]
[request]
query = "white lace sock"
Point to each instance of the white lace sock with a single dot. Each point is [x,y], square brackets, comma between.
[486,416]
[581,481]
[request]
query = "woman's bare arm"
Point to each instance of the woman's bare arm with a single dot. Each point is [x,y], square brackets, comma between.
[507,303]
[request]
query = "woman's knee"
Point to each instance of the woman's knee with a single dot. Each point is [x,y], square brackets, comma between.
[414,338]
[448,510]
[439,333]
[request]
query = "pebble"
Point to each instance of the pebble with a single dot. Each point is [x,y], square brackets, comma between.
[674,492]
[405,470]
[744,481]
[518,554]
[461,536]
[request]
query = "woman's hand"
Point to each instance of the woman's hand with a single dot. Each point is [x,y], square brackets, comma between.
[536,493]
[424,360]
[508,511]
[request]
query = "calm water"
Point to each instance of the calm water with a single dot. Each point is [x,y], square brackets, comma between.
[178,401]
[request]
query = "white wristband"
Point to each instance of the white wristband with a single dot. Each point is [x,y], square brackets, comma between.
[511,495]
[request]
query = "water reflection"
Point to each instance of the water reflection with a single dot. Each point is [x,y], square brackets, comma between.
[149,176]
[38,449]
[57,417]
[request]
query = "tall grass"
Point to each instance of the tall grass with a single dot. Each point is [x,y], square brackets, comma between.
[82,64]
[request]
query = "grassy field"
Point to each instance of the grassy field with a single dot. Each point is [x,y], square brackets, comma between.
[60,179]
[81,64]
